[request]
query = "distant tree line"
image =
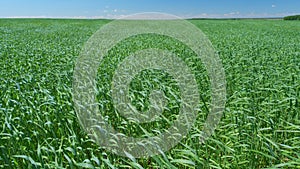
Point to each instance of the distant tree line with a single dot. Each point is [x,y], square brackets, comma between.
[294,17]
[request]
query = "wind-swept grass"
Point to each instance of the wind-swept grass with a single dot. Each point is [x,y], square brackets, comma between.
[260,127]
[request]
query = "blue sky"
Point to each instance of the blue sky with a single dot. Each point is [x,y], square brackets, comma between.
[116,8]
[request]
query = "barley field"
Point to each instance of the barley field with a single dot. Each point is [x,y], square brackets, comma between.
[260,127]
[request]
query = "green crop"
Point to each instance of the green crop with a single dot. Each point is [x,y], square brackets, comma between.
[260,127]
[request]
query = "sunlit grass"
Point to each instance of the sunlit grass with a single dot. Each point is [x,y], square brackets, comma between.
[260,127]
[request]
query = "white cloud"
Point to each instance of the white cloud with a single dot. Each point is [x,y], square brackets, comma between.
[231,14]
[119,14]
[240,15]
[107,11]
[59,17]
[273,6]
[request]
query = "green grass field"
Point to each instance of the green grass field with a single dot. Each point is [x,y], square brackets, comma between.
[260,127]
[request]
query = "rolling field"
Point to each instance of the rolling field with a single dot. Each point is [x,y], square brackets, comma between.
[260,127]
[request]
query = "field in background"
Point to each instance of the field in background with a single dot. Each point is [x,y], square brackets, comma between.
[260,127]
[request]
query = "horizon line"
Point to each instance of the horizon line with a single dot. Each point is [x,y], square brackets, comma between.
[199,16]
[107,18]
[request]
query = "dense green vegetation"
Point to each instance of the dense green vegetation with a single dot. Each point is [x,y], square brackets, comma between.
[260,127]
[294,17]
